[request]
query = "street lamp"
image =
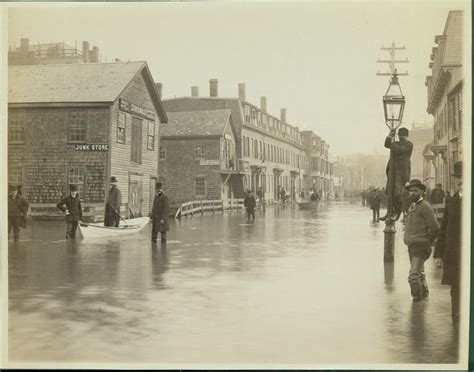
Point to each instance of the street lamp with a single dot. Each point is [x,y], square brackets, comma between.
[393,106]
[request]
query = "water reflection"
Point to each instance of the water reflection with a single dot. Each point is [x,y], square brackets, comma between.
[160,263]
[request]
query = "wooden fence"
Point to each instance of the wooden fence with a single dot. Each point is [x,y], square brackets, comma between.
[201,206]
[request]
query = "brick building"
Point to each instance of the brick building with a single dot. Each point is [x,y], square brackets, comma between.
[270,152]
[80,124]
[197,156]
[51,53]
[445,100]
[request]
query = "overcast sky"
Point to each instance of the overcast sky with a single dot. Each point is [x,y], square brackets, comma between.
[318,60]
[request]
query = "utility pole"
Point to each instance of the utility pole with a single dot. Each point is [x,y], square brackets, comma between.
[391,62]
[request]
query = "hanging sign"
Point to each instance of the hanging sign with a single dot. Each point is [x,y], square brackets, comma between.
[92,147]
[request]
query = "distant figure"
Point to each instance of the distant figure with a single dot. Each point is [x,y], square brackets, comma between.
[363,197]
[302,194]
[437,195]
[249,204]
[71,206]
[314,196]
[160,214]
[283,195]
[421,229]
[374,201]
[447,198]
[112,204]
[17,209]
[260,194]
[448,245]
[398,171]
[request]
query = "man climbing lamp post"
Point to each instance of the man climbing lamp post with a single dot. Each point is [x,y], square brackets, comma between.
[393,105]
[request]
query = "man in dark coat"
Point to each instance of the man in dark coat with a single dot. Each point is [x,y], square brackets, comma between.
[448,245]
[374,201]
[249,205]
[398,171]
[160,214]
[437,195]
[17,209]
[112,204]
[71,206]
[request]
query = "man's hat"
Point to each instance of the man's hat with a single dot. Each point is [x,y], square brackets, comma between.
[113,179]
[457,169]
[159,185]
[403,132]
[415,183]
[72,188]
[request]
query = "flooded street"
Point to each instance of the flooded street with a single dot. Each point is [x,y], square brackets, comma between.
[292,287]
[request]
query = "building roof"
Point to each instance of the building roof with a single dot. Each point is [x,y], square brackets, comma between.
[76,83]
[196,123]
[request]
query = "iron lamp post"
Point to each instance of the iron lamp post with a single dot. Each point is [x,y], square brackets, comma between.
[393,106]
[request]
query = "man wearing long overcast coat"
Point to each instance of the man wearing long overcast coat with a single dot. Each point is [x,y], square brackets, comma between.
[160,214]
[398,170]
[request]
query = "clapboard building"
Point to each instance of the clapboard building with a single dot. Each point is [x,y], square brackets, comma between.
[80,124]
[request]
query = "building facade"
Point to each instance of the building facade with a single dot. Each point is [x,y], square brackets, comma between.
[80,124]
[197,156]
[51,53]
[270,153]
[445,100]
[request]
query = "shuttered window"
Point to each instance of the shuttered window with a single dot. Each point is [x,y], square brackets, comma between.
[136,150]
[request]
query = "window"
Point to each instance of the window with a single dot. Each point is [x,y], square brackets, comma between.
[248,146]
[151,135]
[15,176]
[244,149]
[200,186]
[162,153]
[77,127]
[16,128]
[255,149]
[254,117]
[247,114]
[121,127]
[76,176]
[198,152]
[136,150]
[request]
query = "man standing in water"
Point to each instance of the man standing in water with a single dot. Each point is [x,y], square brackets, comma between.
[160,214]
[112,204]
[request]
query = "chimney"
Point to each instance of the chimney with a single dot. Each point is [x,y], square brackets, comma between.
[283,115]
[85,51]
[24,44]
[263,104]
[213,87]
[194,91]
[242,91]
[159,89]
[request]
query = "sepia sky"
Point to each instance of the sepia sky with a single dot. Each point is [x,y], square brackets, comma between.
[315,59]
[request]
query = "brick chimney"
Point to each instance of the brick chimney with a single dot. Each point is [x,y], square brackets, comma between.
[263,104]
[242,91]
[159,89]
[283,115]
[85,51]
[24,44]
[213,83]
[194,91]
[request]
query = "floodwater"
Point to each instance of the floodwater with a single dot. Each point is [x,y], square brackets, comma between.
[293,287]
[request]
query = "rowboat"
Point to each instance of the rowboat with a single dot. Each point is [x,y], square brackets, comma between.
[308,205]
[126,227]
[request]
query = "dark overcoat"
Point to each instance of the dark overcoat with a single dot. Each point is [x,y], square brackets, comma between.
[448,245]
[374,200]
[400,153]
[160,211]
[73,205]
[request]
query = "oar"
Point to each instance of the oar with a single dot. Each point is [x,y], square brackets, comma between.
[117,213]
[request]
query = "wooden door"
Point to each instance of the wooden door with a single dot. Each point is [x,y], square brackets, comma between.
[135,195]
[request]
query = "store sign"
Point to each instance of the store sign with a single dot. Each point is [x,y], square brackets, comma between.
[134,109]
[92,147]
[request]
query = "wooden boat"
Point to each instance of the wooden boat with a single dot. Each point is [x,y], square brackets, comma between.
[308,204]
[98,230]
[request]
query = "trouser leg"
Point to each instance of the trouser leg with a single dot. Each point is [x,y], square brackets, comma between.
[15,224]
[73,229]
[163,236]
[69,230]
[154,234]
[373,215]
[455,302]
[416,277]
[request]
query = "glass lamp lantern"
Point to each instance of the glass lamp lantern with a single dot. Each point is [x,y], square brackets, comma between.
[393,103]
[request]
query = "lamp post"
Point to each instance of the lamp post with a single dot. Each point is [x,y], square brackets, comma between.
[393,105]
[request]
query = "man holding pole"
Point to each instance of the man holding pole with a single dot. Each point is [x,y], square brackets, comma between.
[398,171]
[112,204]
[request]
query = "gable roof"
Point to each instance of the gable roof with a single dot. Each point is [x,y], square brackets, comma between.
[196,123]
[76,83]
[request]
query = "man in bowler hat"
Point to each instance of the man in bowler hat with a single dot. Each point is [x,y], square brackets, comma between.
[112,204]
[398,171]
[17,209]
[160,214]
[448,245]
[71,206]
[421,228]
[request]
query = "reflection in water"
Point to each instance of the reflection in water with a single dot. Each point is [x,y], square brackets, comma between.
[222,290]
